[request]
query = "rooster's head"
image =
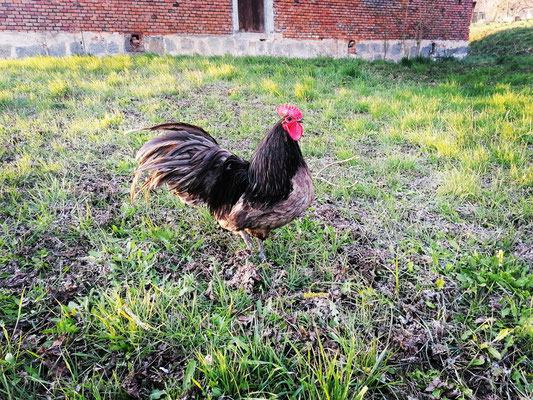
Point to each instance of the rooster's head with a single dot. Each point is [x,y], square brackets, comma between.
[291,120]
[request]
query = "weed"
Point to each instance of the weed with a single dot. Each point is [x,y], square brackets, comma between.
[223,71]
[59,88]
[462,183]
[305,90]
[270,87]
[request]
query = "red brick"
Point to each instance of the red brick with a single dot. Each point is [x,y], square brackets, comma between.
[337,19]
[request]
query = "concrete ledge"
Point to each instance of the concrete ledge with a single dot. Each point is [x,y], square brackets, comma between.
[60,44]
[395,50]
[26,44]
[246,45]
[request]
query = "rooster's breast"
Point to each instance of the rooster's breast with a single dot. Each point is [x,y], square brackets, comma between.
[248,216]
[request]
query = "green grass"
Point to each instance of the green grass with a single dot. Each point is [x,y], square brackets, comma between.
[409,276]
[502,38]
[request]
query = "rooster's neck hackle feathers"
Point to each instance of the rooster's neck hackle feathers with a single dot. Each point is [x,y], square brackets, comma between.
[272,166]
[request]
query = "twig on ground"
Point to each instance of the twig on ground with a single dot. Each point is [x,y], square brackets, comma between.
[336,162]
[133,130]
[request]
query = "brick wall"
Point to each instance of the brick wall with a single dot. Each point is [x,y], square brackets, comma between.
[300,19]
[373,19]
[148,17]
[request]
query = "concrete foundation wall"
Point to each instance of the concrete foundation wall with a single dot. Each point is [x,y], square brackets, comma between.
[61,44]
[395,50]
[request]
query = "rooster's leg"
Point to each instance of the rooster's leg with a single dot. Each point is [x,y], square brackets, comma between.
[262,255]
[247,240]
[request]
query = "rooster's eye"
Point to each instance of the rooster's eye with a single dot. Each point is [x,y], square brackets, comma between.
[289,119]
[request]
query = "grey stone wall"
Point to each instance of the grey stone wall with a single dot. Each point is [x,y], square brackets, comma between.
[18,45]
[395,50]
[62,44]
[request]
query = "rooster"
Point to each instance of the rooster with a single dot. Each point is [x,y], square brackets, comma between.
[246,197]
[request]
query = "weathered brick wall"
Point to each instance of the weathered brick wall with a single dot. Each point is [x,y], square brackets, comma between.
[373,19]
[310,19]
[148,17]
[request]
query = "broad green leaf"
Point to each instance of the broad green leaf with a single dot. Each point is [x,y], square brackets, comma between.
[503,333]
[189,373]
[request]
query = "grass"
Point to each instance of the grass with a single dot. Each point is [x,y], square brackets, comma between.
[409,276]
[502,38]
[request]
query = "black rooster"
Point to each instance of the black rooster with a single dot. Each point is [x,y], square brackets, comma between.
[250,198]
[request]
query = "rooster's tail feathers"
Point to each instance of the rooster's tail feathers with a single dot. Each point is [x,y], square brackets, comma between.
[185,157]
[148,185]
[181,126]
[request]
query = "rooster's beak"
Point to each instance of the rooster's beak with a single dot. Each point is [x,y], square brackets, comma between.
[300,120]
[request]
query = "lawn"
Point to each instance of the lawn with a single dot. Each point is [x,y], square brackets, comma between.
[410,275]
[502,38]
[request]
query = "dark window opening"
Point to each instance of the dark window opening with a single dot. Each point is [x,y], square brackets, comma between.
[251,16]
[351,47]
[135,43]
[478,16]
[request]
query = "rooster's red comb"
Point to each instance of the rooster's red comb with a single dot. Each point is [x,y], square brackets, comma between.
[288,110]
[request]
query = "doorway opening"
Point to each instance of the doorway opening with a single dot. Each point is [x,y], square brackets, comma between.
[251,16]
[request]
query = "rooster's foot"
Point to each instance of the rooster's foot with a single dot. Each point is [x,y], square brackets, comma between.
[261,255]
[246,239]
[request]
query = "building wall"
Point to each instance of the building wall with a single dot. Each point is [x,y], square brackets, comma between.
[158,17]
[370,29]
[374,19]
[503,10]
